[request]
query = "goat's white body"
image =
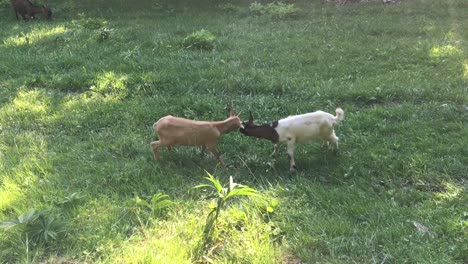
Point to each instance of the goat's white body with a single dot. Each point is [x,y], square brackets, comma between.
[306,128]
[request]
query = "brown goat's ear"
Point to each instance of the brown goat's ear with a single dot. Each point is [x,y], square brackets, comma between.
[231,110]
[250,117]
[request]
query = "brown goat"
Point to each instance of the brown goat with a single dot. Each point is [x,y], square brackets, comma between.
[28,10]
[174,131]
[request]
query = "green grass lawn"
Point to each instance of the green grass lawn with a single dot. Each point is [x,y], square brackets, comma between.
[79,96]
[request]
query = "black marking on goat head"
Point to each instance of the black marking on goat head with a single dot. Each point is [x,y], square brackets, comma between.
[265,131]
[250,118]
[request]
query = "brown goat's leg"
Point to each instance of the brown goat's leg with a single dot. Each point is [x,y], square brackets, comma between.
[202,153]
[214,150]
[154,147]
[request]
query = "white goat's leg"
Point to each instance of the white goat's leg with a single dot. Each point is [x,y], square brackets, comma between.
[326,143]
[290,149]
[154,147]
[333,142]
[275,149]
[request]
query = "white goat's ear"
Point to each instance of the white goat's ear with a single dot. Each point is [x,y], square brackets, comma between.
[231,112]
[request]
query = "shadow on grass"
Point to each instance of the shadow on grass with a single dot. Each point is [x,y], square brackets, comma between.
[401,143]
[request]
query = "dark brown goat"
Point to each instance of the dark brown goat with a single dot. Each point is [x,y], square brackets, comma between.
[28,10]
[266,131]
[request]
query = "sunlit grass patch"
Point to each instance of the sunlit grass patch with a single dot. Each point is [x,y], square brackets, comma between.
[28,164]
[453,36]
[99,226]
[176,240]
[34,36]
[241,245]
[31,109]
[110,84]
[465,69]
[451,191]
[34,101]
[444,51]
[9,193]
[166,242]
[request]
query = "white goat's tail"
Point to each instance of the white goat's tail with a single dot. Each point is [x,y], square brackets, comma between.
[339,114]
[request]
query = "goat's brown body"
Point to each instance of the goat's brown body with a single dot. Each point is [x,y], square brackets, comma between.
[265,131]
[176,131]
[27,10]
[180,131]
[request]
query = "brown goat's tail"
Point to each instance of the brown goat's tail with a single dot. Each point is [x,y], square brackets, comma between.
[339,114]
[155,125]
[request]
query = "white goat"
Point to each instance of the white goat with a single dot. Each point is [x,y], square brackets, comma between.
[296,129]
[173,131]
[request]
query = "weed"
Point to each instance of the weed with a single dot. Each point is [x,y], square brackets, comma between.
[104,34]
[230,8]
[202,39]
[72,199]
[93,23]
[36,229]
[145,212]
[221,195]
[276,10]
[4,4]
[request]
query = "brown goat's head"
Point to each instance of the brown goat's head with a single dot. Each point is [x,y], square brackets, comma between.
[233,122]
[47,12]
[266,131]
